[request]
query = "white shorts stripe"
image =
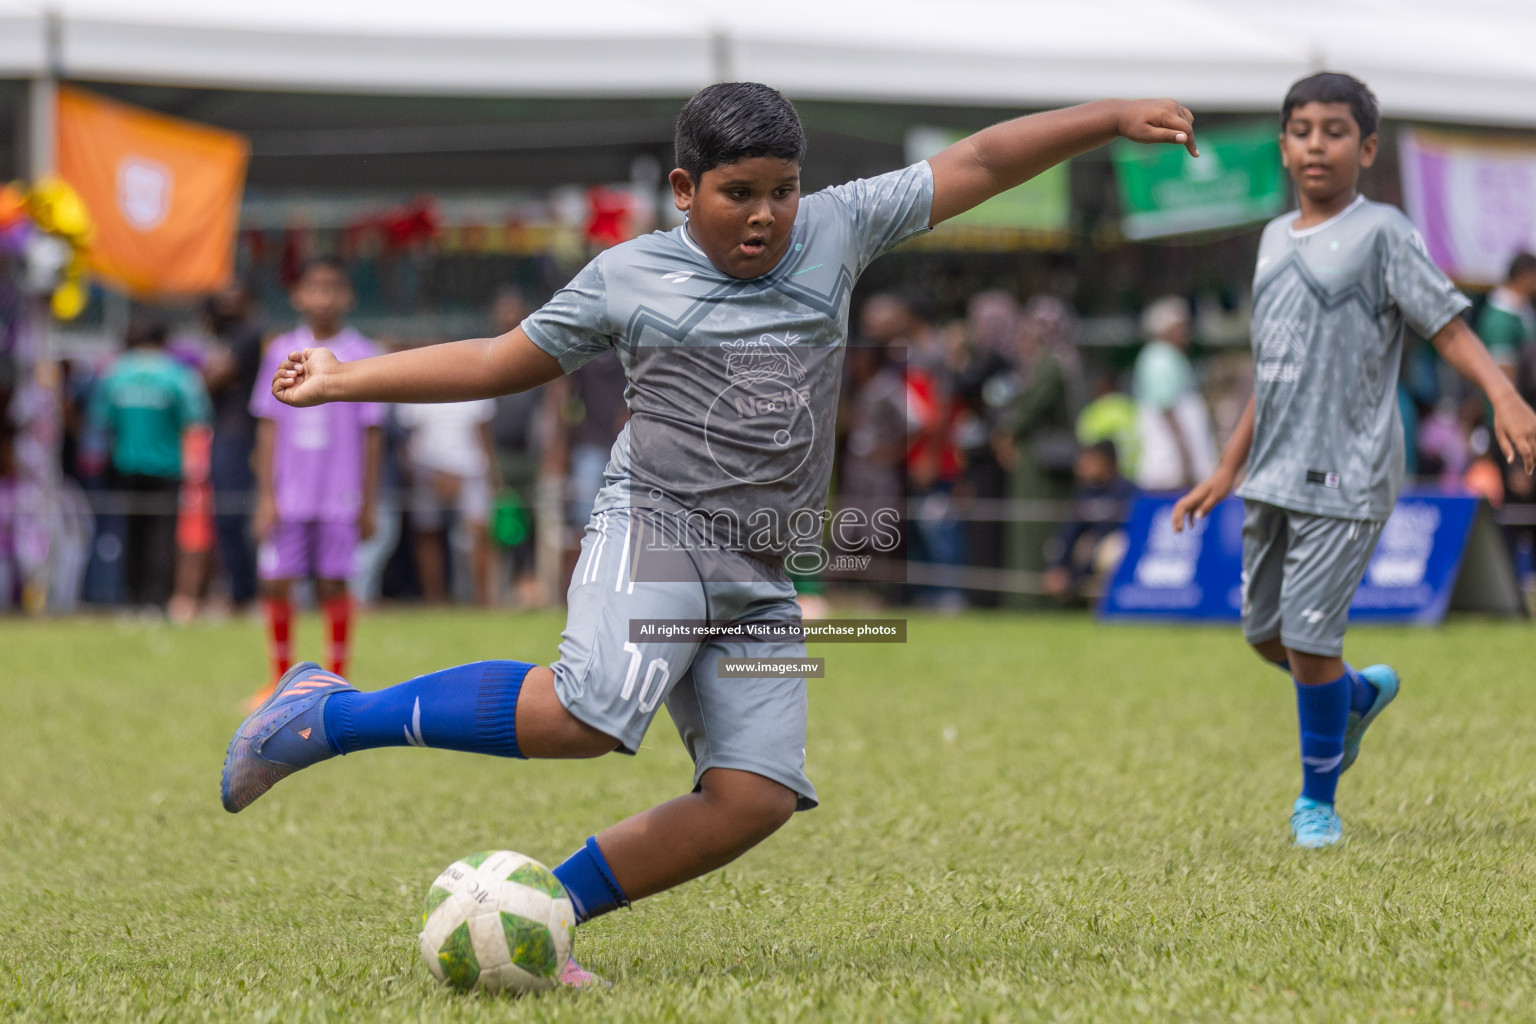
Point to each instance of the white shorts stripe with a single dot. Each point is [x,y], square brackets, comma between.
[618,578]
[589,575]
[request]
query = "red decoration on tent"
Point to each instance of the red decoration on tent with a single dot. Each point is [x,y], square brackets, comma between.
[296,250]
[608,216]
[255,243]
[406,225]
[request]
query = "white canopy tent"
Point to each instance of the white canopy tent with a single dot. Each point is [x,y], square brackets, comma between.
[1474,62]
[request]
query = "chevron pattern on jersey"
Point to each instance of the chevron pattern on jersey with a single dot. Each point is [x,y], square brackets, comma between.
[1356,292]
[679,328]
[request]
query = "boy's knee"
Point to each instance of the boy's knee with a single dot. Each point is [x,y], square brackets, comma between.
[546,729]
[563,735]
[581,740]
[1272,651]
[773,805]
[760,805]
[1315,668]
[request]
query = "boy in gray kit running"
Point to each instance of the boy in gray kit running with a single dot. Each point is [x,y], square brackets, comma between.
[1335,284]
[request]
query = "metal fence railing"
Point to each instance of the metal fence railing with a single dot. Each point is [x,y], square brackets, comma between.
[81,515]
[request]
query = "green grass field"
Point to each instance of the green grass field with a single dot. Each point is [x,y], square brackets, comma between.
[1022,819]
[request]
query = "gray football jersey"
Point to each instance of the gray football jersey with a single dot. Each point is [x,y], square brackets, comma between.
[1329,306]
[733,384]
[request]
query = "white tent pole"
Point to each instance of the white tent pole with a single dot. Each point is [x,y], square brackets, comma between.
[42,101]
[42,163]
[720,63]
[42,97]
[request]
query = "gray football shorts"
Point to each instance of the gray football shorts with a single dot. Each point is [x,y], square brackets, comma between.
[1300,572]
[634,565]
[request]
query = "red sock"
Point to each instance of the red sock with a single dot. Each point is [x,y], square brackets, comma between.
[338,617]
[279,626]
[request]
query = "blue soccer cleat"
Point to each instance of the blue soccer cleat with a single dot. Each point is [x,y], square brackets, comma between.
[1314,824]
[283,735]
[1385,680]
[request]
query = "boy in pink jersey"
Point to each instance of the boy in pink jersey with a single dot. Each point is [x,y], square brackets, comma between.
[317,472]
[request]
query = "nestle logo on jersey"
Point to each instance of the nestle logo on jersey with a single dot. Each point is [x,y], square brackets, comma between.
[764,405]
[1279,373]
[1282,337]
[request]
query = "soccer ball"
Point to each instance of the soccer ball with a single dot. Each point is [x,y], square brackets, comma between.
[499,922]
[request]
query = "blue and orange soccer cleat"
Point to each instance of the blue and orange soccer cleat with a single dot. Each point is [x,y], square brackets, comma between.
[286,733]
[1314,824]
[1386,682]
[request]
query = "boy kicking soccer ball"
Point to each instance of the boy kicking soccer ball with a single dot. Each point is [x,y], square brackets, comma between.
[731,332]
[1335,283]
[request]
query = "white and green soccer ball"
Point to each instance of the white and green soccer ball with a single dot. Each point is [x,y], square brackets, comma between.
[499,922]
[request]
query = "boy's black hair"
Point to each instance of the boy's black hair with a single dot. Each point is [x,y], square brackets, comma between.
[145,330]
[1335,87]
[732,121]
[922,304]
[1107,449]
[244,285]
[335,263]
[1522,264]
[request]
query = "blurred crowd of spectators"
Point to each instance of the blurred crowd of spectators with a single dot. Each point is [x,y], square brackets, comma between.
[1016,455]
[1013,453]
[166,439]
[1025,450]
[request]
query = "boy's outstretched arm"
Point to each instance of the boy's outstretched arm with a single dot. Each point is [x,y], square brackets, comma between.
[1213,490]
[457,371]
[996,159]
[1514,424]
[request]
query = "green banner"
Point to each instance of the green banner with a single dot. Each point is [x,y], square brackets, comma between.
[1236,180]
[1043,203]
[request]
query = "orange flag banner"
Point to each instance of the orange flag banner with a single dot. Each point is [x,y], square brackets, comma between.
[163,193]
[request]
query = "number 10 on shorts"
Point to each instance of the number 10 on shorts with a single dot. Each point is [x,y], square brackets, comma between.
[656,671]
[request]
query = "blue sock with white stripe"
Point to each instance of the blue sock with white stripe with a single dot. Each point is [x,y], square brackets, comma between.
[471,707]
[1323,711]
[589,882]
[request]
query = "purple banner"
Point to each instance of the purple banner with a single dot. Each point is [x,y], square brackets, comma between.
[1473,198]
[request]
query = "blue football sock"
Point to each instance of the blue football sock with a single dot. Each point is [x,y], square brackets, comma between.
[1324,714]
[1362,692]
[471,707]
[589,882]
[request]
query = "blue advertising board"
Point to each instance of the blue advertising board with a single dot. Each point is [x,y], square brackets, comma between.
[1197,575]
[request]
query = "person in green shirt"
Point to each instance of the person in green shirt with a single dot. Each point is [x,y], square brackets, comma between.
[1111,416]
[1177,446]
[1508,323]
[141,409]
